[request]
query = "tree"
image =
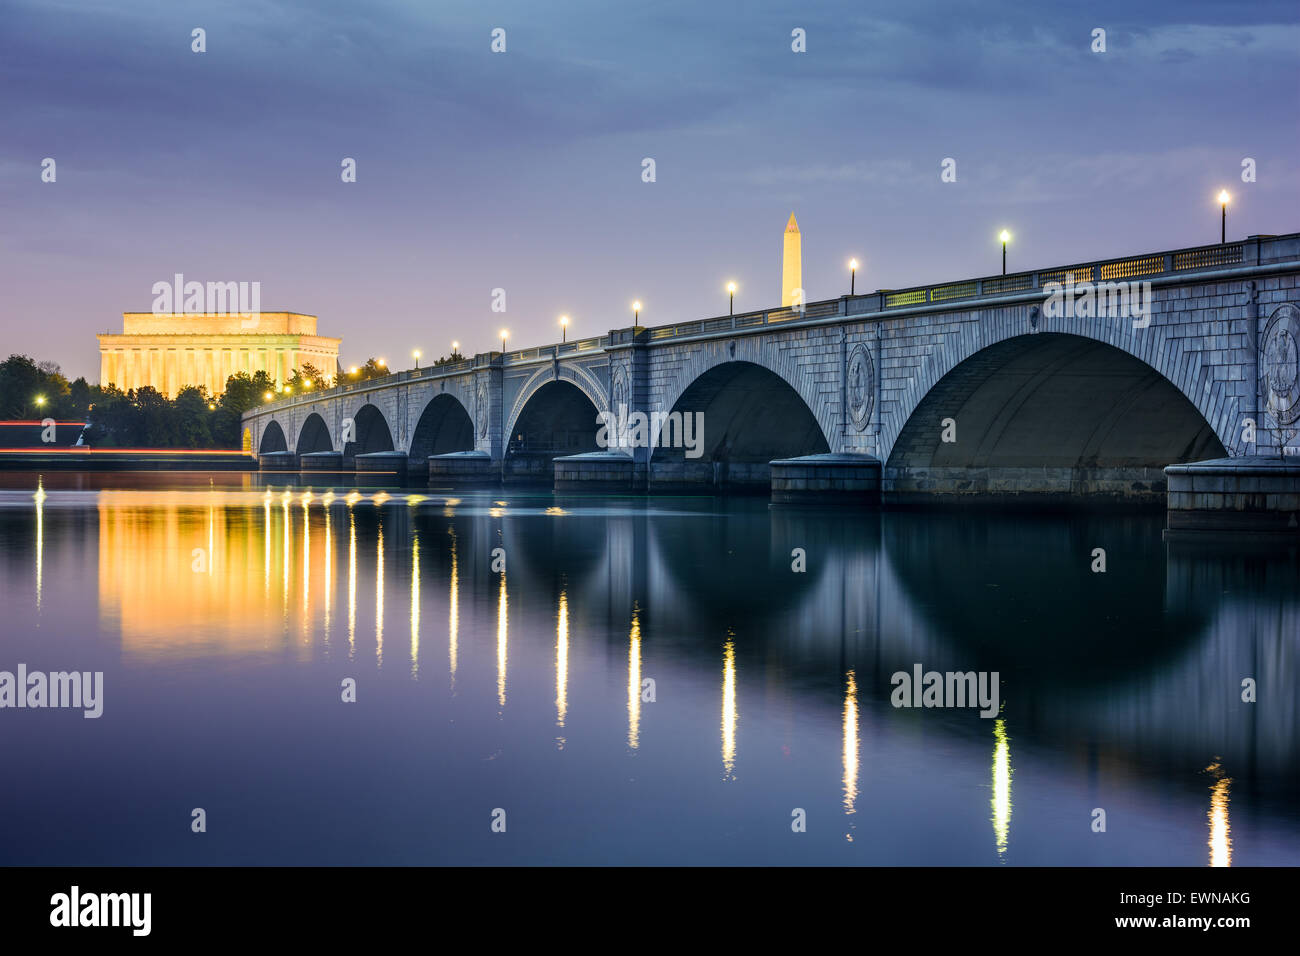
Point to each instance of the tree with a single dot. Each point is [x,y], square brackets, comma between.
[115,420]
[244,392]
[374,368]
[158,419]
[308,377]
[193,418]
[455,356]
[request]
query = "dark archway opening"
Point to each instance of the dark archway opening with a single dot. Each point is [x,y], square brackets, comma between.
[315,436]
[272,439]
[557,420]
[734,419]
[444,427]
[370,433]
[1044,417]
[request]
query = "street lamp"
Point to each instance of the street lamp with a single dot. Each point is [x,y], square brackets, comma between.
[853,274]
[731,292]
[266,397]
[353,370]
[564,328]
[381,363]
[416,354]
[1223,218]
[455,349]
[505,334]
[636,312]
[1005,237]
[40,401]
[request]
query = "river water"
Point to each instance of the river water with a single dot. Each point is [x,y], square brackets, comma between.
[648,681]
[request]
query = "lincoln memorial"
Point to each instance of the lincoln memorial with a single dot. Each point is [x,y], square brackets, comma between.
[170,351]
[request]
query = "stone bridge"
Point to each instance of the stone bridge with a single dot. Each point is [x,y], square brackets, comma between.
[1000,385]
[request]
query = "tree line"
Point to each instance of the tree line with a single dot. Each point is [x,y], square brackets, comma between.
[144,417]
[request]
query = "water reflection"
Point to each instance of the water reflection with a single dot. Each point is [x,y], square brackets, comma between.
[1220,841]
[1001,801]
[850,747]
[729,709]
[634,681]
[561,662]
[453,608]
[1123,670]
[502,640]
[39,498]
[379,596]
[415,605]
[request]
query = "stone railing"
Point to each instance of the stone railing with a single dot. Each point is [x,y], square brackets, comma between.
[1255,251]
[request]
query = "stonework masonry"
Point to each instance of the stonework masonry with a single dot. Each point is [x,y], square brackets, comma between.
[872,370]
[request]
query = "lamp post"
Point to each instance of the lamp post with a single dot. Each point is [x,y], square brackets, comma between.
[564,328]
[455,349]
[1005,237]
[731,292]
[1223,215]
[636,312]
[416,355]
[853,274]
[505,334]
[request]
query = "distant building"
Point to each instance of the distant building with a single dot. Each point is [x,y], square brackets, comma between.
[792,266]
[173,350]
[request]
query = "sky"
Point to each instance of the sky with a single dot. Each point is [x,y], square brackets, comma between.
[522,170]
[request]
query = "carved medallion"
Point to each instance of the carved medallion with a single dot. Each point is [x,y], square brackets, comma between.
[860,387]
[1279,363]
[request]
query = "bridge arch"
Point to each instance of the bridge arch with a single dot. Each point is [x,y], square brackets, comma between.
[1150,345]
[314,435]
[770,352]
[558,418]
[572,375]
[745,416]
[444,426]
[273,439]
[1048,413]
[370,432]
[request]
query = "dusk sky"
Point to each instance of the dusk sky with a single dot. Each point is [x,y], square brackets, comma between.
[522,170]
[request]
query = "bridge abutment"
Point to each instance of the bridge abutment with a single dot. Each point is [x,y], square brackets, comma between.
[601,471]
[463,468]
[843,478]
[1260,496]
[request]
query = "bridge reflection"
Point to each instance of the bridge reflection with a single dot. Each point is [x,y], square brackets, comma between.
[213,574]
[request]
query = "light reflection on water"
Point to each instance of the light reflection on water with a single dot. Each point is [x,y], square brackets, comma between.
[1117,689]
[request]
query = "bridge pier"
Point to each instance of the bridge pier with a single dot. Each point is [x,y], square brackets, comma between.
[463,468]
[277,461]
[600,471]
[845,478]
[382,462]
[331,461]
[1233,495]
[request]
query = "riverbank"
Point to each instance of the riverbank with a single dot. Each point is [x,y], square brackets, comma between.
[132,459]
